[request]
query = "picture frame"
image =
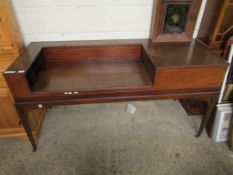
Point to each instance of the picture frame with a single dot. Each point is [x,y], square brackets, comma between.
[174,20]
[221,127]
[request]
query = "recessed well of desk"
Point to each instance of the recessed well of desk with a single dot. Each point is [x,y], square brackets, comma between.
[113,69]
[90,67]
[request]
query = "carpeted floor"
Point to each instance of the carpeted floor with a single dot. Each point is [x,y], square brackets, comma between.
[103,139]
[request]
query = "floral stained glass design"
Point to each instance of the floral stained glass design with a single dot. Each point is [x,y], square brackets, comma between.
[176,15]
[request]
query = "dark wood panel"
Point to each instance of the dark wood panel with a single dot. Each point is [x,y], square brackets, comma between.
[91,53]
[19,89]
[189,78]
[150,67]
[118,97]
[193,107]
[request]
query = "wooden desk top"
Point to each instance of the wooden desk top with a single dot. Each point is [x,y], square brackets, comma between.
[183,55]
[40,71]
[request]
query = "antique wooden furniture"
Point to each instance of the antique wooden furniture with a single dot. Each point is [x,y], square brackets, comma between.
[65,73]
[217,24]
[11,45]
[174,20]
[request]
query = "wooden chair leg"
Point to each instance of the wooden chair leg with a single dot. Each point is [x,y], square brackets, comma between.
[24,119]
[207,116]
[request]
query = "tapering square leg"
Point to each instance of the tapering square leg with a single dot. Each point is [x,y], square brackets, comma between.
[209,111]
[24,119]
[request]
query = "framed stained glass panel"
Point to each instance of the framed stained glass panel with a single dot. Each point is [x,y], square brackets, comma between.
[174,20]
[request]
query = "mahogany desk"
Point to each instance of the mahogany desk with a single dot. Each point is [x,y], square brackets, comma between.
[64,73]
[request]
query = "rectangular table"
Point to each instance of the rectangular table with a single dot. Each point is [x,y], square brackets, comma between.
[82,72]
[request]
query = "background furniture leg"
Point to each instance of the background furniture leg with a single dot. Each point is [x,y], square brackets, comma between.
[231,134]
[206,117]
[26,125]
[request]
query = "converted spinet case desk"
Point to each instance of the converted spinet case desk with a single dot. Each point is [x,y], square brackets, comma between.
[64,73]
